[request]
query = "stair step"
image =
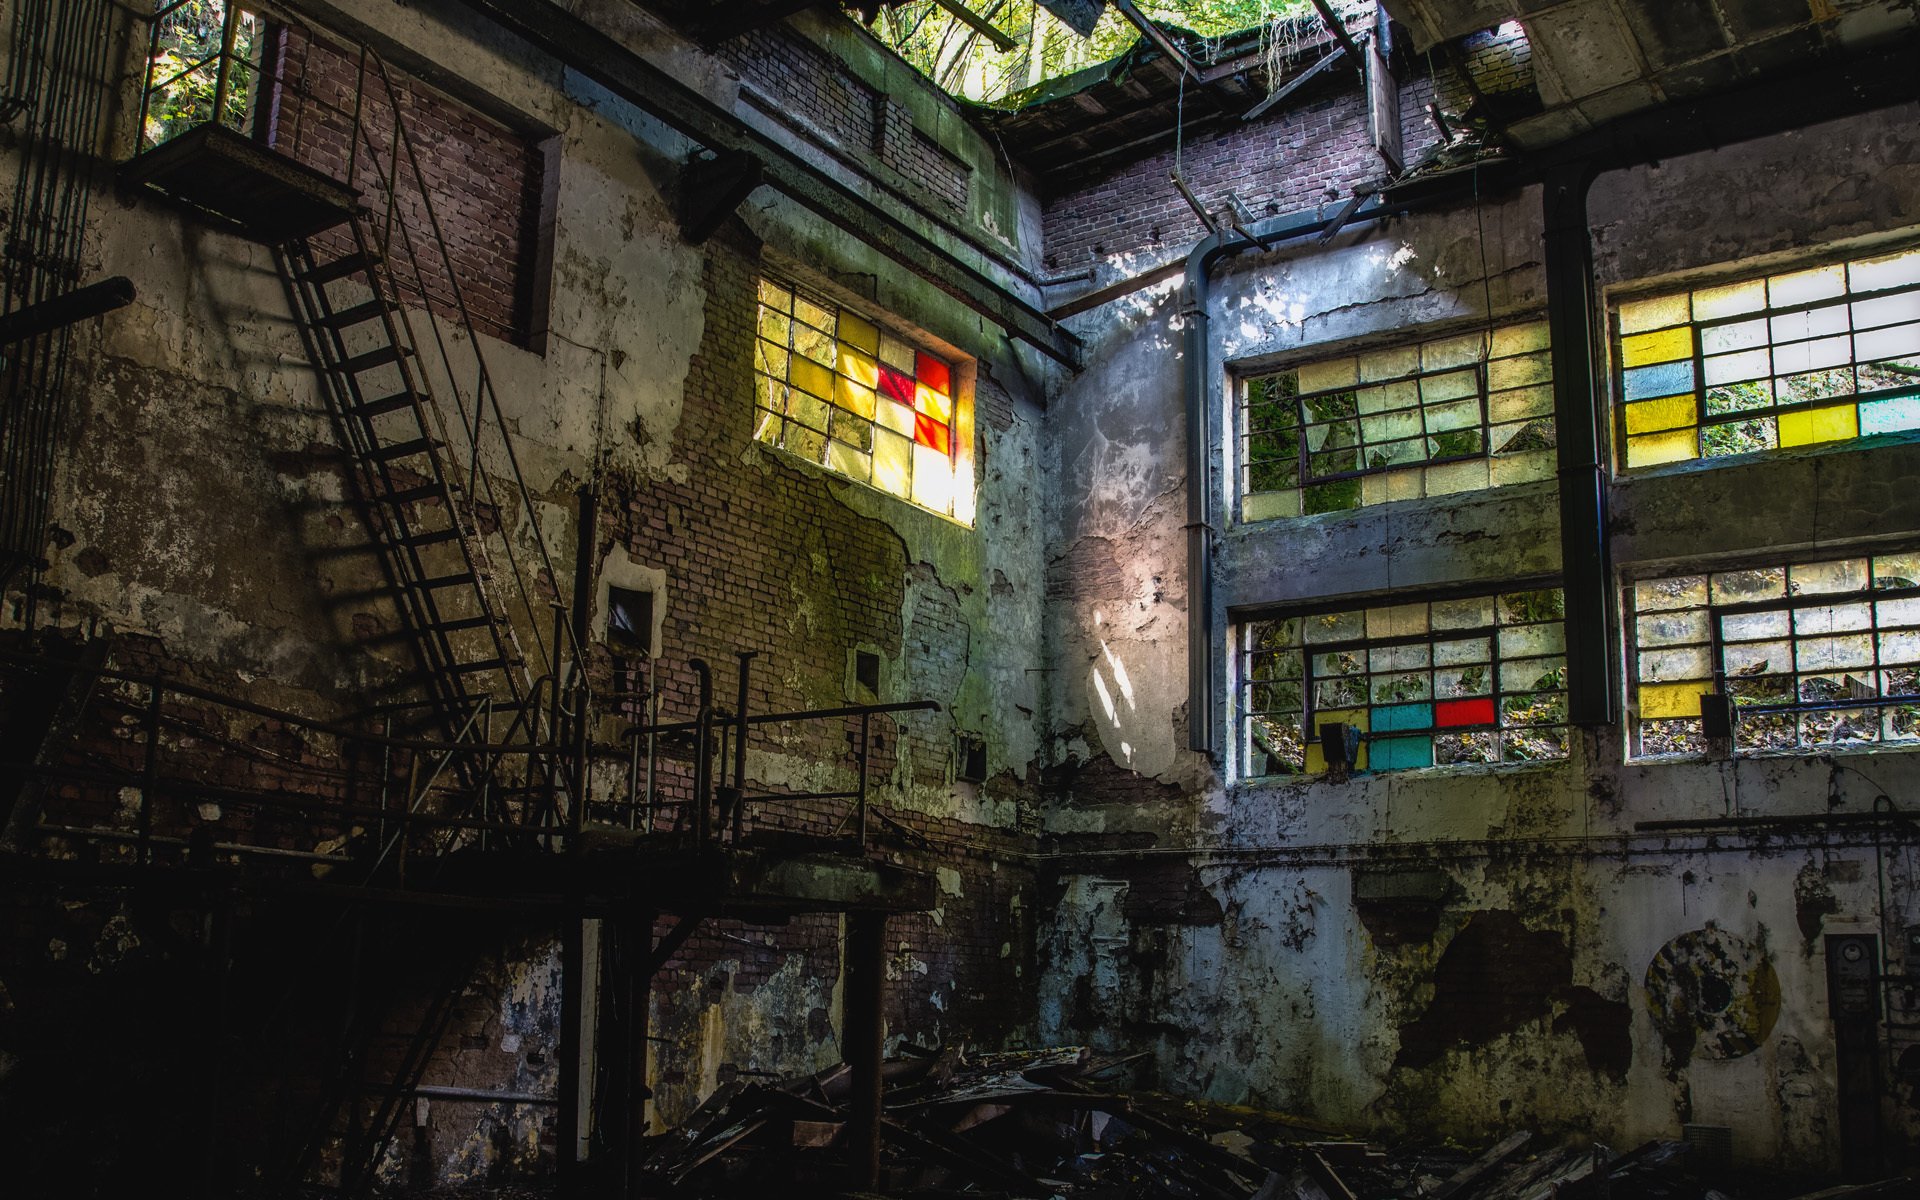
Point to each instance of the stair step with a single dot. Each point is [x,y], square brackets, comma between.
[384,356]
[339,268]
[485,664]
[431,537]
[387,404]
[462,579]
[459,623]
[426,491]
[359,314]
[395,450]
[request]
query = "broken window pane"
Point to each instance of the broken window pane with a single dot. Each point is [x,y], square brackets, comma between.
[1489,687]
[1812,654]
[1414,416]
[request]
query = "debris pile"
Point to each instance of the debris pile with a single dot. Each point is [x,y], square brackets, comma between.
[1044,1124]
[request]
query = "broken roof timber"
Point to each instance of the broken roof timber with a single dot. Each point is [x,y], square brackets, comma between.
[550,28]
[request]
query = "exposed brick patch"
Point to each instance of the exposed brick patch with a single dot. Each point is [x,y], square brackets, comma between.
[482,180]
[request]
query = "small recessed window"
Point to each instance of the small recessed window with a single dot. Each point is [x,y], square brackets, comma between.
[971,754]
[630,621]
[866,670]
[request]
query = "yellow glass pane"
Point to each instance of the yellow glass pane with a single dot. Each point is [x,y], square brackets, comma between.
[1652,449]
[1520,339]
[810,376]
[776,297]
[1664,701]
[1322,376]
[1657,312]
[854,398]
[1453,352]
[1389,364]
[1731,300]
[849,461]
[859,365]
[1811,425]
[892,463]
[932,403]
[859,334]
[897,417]
[1666,345]
[1317,761]
[1651,416]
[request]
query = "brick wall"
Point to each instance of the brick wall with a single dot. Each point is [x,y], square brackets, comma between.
[804,82]
[482,180]
[1300,157]
[764,558]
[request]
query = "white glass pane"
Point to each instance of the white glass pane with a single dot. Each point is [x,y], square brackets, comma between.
[1753,627]
[1844,575]
[1886,310]
[1895,341]
[1759,658]
[1735,368]
[1834,653]
[1796,357]
[1833,618]
[1815,322]
[1672,629]
[1800,287]
[1894,270]
[1742,335]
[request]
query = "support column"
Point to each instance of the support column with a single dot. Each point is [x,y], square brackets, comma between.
[636,958]
[1585,562]
[862,1035]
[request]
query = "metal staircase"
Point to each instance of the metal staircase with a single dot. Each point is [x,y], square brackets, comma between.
[424,520]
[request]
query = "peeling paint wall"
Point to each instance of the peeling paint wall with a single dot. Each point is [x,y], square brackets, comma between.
[1458,951]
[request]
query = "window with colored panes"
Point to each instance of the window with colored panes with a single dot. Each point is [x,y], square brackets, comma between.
[1428,684]
[1812,654]
[1799,358]
[837,390]
[1452,414]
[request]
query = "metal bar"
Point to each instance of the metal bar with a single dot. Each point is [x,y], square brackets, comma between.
[549,27]
[223,81]
[979,24]
[1296,83]
[860,796]
[740,745]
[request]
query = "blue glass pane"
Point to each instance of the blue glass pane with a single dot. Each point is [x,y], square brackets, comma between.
[1890,416]
[1400,754]
[1388,717]
[1667,379]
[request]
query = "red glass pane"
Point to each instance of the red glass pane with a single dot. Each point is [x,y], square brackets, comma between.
[896,386]
[1454,713]
[932,372]
[929,432]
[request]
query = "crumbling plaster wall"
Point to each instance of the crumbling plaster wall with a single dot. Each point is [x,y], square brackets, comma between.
[1457,951]
[202,504]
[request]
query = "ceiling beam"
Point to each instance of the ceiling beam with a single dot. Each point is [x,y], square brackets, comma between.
[979,24]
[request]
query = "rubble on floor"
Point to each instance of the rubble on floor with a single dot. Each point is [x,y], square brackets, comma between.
[1051,1123]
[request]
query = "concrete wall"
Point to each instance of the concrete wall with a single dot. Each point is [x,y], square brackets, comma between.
[1460,951]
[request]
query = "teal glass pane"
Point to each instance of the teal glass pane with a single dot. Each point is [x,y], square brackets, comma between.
[1400,753]
[1893,415]
[1667,379]
[1389,717]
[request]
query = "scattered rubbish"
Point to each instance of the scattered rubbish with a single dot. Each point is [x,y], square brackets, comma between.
[1053,1123]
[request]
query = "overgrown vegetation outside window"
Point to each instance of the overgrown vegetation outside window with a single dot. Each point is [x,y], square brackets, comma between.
[1446,415]
[1812,655]
[1431,683]
[1793,359]
[957,58]
[205,67]
[835,389]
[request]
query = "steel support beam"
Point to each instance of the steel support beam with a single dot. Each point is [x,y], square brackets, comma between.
[862,1038]
[551,29]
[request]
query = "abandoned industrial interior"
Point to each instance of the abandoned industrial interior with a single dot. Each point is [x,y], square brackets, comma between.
[1311,599]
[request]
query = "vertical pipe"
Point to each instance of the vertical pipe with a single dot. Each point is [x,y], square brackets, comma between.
[223,79]
[703,756]
[149,772]
[572,1005]
[740,744]
[863,1035]
[1585,565]
[1196,356]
